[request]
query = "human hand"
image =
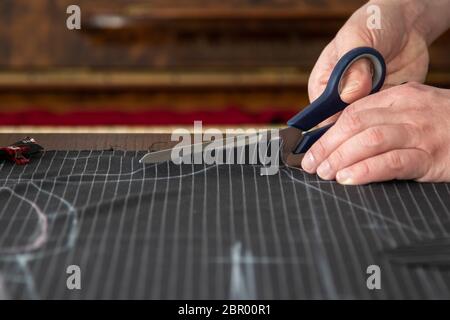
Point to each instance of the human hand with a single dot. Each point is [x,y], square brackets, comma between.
[399,133]
[400,41]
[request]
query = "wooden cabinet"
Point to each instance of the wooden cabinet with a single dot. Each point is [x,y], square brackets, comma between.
[170,52]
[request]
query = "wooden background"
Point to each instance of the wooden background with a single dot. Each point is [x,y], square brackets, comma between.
[135,54]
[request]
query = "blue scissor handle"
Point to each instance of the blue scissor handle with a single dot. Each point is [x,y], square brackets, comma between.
[330,102]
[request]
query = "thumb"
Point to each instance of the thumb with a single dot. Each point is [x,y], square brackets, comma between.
[357,81]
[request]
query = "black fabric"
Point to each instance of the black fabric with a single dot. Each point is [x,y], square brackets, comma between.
[209,232]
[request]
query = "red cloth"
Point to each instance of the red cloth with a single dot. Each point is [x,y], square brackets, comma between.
[21,151]
[155,117]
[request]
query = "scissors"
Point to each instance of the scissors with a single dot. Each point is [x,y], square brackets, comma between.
[299,136]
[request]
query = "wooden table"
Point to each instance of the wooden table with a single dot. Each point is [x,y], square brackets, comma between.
[100,138]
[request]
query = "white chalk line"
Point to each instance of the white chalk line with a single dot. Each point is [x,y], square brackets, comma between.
[237,257]
[41,237]
[21,255]
[57,179]
[242,281]
[374,213]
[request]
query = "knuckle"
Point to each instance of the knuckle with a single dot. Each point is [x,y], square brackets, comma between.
[374,137]
[411,135]
[420,122]
[336,158]
[352,120]
[395,160]
[366,168]
[319,150]
[351,108]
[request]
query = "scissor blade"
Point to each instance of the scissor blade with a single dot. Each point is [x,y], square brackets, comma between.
[166,154]
[288,139]
[157,156]
[193,149]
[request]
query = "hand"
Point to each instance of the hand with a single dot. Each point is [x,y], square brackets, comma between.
[399,133]
[401,41]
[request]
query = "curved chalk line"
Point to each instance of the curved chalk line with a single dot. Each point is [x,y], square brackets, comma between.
[374,213]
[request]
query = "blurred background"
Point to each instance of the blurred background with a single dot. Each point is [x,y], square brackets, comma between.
[157,62]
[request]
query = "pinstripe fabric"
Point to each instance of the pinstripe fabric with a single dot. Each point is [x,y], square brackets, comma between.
[209,232]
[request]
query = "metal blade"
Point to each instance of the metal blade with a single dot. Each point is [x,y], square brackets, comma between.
[288,139]
[166,154]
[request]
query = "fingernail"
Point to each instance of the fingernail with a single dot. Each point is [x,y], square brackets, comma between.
[352,86]
[324,170]
[308,161]
[345,177]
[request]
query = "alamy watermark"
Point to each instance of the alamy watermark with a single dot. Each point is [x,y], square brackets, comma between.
[374,279]
[73,21]
[374,19]
[73,281]
[232,146]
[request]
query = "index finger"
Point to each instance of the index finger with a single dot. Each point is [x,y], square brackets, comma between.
[354,119]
